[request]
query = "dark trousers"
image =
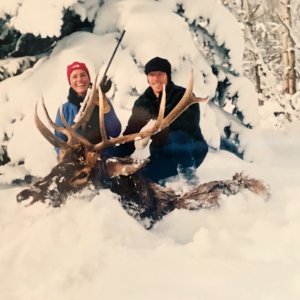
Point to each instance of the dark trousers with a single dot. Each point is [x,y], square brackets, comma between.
[180,155]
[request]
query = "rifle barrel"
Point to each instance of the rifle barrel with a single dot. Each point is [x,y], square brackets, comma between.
[112,57]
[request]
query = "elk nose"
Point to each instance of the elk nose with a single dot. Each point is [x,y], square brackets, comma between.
[24,195]
[27,197]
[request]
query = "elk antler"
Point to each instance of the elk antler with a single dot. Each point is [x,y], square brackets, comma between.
[161,122]
[75,138]
[70,131]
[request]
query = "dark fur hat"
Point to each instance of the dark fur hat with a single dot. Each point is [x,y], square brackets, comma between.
[158,64]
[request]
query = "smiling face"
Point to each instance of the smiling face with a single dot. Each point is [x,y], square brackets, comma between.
[79,81]
[156,80]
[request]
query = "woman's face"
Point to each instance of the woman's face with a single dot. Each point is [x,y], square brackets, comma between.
[79,82]
[157,80]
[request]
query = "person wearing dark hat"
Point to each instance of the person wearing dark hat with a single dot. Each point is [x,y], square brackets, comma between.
[79,80]
[178,149]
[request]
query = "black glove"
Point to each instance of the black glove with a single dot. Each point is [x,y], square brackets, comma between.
[105,84]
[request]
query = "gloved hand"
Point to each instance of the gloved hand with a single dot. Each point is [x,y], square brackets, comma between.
[105,84]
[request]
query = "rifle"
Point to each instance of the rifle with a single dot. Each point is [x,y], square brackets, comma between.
[85,101]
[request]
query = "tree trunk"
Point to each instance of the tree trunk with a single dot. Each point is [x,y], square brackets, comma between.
[289,80]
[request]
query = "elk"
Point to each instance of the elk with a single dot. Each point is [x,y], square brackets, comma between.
[81,163]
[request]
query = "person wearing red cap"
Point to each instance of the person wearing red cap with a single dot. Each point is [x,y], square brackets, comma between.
[79,80]
[177,150]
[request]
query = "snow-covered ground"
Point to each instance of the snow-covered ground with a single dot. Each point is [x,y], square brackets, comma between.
[246,249]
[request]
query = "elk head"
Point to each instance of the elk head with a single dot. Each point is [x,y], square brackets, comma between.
[69,175]
[80,161]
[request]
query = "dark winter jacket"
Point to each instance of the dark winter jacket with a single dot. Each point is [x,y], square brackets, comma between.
[146,107]
[92,131]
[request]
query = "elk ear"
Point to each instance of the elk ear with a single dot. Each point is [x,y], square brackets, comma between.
[125,166]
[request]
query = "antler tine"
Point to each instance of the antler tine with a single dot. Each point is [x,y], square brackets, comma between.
[101,116]
[47,134]
[182,105]
[73,136]
[162,108]
[78,120]
[90,104]
[53,125]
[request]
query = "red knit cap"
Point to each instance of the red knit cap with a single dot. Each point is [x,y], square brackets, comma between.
[76,65]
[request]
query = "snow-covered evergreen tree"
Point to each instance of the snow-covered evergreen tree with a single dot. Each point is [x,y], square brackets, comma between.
[199,35]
